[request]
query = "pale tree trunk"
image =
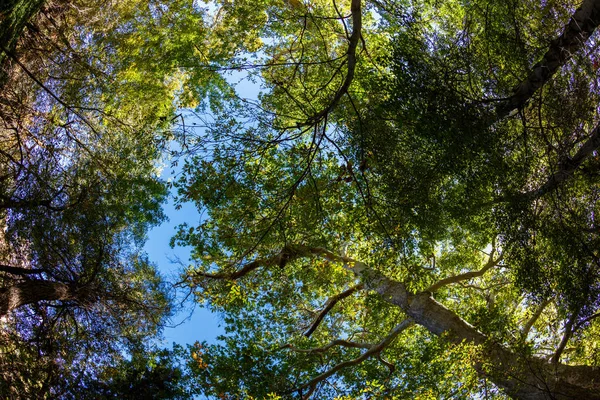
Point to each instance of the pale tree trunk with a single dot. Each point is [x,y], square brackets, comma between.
[522,377]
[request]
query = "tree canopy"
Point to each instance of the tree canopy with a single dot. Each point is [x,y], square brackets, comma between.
[406,209]
[79,190]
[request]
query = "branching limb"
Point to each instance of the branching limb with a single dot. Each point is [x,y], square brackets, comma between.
[373,351]
[20,270]
[331,302]
[385,362]
[354,39]
[580,27]
[280,259]
[323,349]
[534,317]
[289,253]
[353,265]
[565,339]
[588,319]
[467,275]
[19,204]
[53,95]
[568,168]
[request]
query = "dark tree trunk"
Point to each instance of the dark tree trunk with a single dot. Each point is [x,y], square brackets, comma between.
[33,291]
[14,15]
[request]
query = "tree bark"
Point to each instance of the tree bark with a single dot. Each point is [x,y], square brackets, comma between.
[582,24]
[14,15]
[33,291]
[522,377]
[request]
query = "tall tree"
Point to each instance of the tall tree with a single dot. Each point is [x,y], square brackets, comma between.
[79,190]
[414,193]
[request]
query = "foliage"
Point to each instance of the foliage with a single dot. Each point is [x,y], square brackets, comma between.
[79,149]
[444,150]
[149,374]
[406,210]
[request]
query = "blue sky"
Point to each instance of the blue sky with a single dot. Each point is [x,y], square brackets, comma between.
[193,323]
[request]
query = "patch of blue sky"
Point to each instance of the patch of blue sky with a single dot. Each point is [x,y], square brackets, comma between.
[192,323]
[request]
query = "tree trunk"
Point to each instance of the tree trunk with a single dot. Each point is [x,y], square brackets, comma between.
[582,24]
[14,15]
[522,377]
[33,291]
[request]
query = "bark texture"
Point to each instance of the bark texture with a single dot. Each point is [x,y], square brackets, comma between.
[582,24]
[33,291]
[528,378]
[14,15]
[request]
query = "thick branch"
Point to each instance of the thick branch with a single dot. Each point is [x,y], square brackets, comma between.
[374,350]
[565,340]
[534,317]
[289,253]
[521,377]
[19,270]
[18,204]
[331,302]
[585,321]
[568,168]
[333,343]
[280,259]
[463,277]
[354,39]
[579,28]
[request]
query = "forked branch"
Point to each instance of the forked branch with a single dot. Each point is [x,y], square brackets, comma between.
[289,253]
[373,351]
[353,40]
[565,339]
[324,349]
[536,315]
[567,168]
[331,302]
[466,276]
[280,259]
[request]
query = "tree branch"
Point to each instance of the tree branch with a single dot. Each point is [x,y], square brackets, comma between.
[354,39]
[374,350]
[331,302]
[18,204]
[568,168]
[55,97]
[579,28]
[289,253]
[565,339]
[467,275]
[588,319]
[337,342]
[385,362]
[534,317]
[20,270]
[531,378]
